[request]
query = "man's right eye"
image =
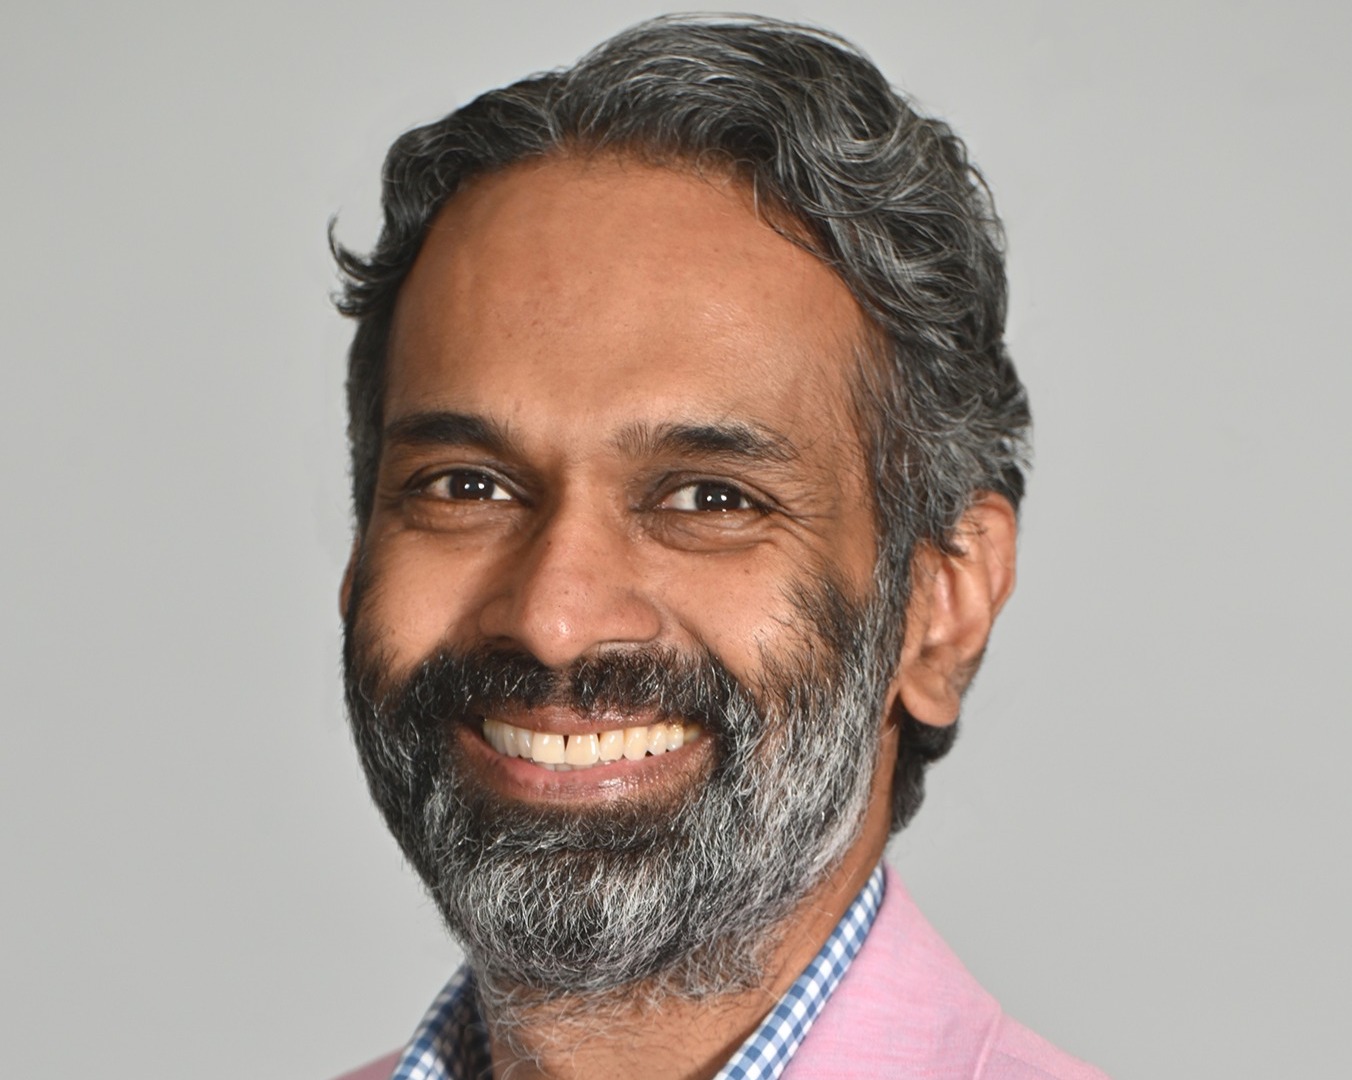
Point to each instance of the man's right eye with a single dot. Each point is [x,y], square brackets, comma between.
[467,485]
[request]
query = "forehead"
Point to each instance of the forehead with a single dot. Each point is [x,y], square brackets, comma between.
[607,291]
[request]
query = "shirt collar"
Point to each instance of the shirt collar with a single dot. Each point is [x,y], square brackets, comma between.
[451,1043]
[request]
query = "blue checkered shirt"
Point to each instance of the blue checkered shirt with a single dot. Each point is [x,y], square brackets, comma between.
[451,1043]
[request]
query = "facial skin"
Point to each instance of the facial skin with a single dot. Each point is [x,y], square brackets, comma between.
[617,418]
[599,315]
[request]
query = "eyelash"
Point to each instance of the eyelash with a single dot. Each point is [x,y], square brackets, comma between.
[484,479]
[735,490]
[461,479]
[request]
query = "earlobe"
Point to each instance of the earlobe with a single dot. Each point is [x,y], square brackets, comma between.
[954,601]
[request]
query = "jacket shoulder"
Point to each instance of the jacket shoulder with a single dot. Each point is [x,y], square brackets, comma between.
[908,1007]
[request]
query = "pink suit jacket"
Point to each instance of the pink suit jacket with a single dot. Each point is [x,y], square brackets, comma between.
[908,1009]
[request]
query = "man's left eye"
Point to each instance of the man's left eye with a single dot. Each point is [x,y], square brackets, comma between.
[708,495]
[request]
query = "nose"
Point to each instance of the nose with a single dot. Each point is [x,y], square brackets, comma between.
[571,587]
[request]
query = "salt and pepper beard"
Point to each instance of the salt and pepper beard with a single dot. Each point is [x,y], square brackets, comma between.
[646,898]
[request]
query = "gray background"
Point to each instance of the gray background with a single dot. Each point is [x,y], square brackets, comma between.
[1141,843]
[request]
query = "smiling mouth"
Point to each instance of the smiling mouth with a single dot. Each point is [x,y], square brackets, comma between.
[586,750]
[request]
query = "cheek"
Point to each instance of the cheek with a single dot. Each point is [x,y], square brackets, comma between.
[741,608]
[414,599]
[419,592]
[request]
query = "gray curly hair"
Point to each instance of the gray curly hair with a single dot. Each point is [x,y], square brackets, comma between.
[883,195]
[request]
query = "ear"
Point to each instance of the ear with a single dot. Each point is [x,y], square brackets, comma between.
[349,576]
[954,601]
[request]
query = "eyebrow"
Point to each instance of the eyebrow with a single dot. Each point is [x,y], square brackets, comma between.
[734,439]
[438,428]
[729,440]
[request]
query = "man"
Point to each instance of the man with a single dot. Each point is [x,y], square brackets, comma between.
[686,458]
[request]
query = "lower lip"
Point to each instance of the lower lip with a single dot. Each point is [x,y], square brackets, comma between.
[523,779]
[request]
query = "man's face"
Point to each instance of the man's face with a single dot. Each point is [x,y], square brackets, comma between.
[618,428]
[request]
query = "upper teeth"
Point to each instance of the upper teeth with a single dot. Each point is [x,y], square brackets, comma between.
[581,751]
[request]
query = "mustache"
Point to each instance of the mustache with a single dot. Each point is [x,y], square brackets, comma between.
[453,685]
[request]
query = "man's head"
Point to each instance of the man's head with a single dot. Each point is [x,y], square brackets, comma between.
[678,397]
